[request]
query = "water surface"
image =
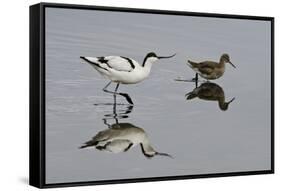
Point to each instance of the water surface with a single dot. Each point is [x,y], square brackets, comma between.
[197,133]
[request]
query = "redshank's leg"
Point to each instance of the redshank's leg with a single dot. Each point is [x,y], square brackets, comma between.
[195,79]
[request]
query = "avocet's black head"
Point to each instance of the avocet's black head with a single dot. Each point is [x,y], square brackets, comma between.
[152,57]
[151,54]
[226,59]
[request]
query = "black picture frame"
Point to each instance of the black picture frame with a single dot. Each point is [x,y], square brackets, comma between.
[37,94]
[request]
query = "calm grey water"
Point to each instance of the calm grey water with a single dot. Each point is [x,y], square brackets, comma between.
[200,137]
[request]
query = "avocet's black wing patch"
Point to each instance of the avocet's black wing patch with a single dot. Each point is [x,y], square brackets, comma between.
[119,63]
[91,62]
[102,59]
[130,61]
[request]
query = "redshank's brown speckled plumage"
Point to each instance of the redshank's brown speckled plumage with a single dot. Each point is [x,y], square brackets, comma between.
[211,70]
[210,92]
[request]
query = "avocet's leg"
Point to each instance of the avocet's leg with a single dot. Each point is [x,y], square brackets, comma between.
[107,124]
[128,98]
[105,90]
[114,107]
[111,92]
[116,88]
[114,94]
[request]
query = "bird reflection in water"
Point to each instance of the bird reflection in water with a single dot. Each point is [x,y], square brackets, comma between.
[121,137]
[210,92]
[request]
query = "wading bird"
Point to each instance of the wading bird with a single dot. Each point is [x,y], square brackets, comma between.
[210,92]
[123,70]
[120,137]
[208,69]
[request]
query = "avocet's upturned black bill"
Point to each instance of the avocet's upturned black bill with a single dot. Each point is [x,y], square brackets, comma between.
[161,57]
[123,70]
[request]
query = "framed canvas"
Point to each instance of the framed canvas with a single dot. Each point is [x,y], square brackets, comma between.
[121,95]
